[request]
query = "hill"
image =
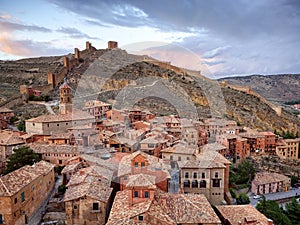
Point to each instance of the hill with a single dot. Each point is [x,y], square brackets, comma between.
[129,80]
[277,88]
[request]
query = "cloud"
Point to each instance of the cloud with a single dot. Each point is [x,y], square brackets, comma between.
[11,26]
[28,48]
[5,16]
[215,52]
[74,33]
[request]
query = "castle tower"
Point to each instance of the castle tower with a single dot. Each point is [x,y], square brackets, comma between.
[65,103]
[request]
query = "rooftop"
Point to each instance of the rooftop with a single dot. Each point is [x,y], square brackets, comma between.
[5,110]
[267,178]
[13,182]
[8,137]
[242,213]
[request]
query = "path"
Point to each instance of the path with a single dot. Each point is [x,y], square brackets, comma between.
[47,104]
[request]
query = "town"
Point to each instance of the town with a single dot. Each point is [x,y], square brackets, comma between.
[101,165]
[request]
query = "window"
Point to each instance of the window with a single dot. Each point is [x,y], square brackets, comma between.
[194,184]
[142,164]
[16,200]
[195,175]
[75,207]
[146,194]
[59,161]
[57,124]
[186,175]
[171,157]
[186,184]
[23,197]
[33,124]
[47,124]
[216,174]
[141,218]
[95,206]
[203,175]
[179,158]
[1,219]
[202,184]
[187,158]
[136,194]
[216,183]
[136,164]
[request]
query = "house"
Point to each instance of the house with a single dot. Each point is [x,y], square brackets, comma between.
[46,124]
[179,152]
[23,191]
[270,142]
[9,140]
[215,147]
[5,116]
[236,146]
[265,182]
[56,154]
[88,197]
[140,162]
[153,145]
[64,138]
[97,109]
[241,215]
[208,174]
[144,204]
[288,148]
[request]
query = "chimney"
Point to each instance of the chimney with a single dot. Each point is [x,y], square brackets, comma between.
[270,222]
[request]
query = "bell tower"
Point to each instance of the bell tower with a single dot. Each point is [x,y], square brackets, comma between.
[65,102]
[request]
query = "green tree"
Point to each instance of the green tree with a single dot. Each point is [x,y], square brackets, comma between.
[21,157]
[242,199]
[21,126]
[272,210]
[241,173]
[293,211]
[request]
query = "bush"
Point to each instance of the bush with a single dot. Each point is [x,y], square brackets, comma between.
[242,199]
[62,188]
[232,192]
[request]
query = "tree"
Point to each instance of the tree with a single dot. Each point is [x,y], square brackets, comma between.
[21,126]
[21,157]
[293,211]
[241,173]
[242,199]
[272,210]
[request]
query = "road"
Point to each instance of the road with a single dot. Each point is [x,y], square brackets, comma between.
[277,196]
[47,104]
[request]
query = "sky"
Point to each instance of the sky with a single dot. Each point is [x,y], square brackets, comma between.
[219,37]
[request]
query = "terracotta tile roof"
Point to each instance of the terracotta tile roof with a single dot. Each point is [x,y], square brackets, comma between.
[141,180]
[188,208]
[166,207]
[180,148]
[212,147]
[88,182]
[61,135]
[267,133]
[71,167]
[205,159]
[16,180]
[154,163]
[8,137]
[76,115]
[93,103]
[92,160]
[267,178]
[246,214]
[5,110]
[60,149]
[122,209]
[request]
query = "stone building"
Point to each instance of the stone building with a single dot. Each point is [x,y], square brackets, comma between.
[65,102]
[5,116]
[46,124]
[265,182]
[208,174]
[140,162]
[147,205]
[179,152]
[23,191]
[56,154]
[288,148]
[88,196]
[97,109]
[270,142]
